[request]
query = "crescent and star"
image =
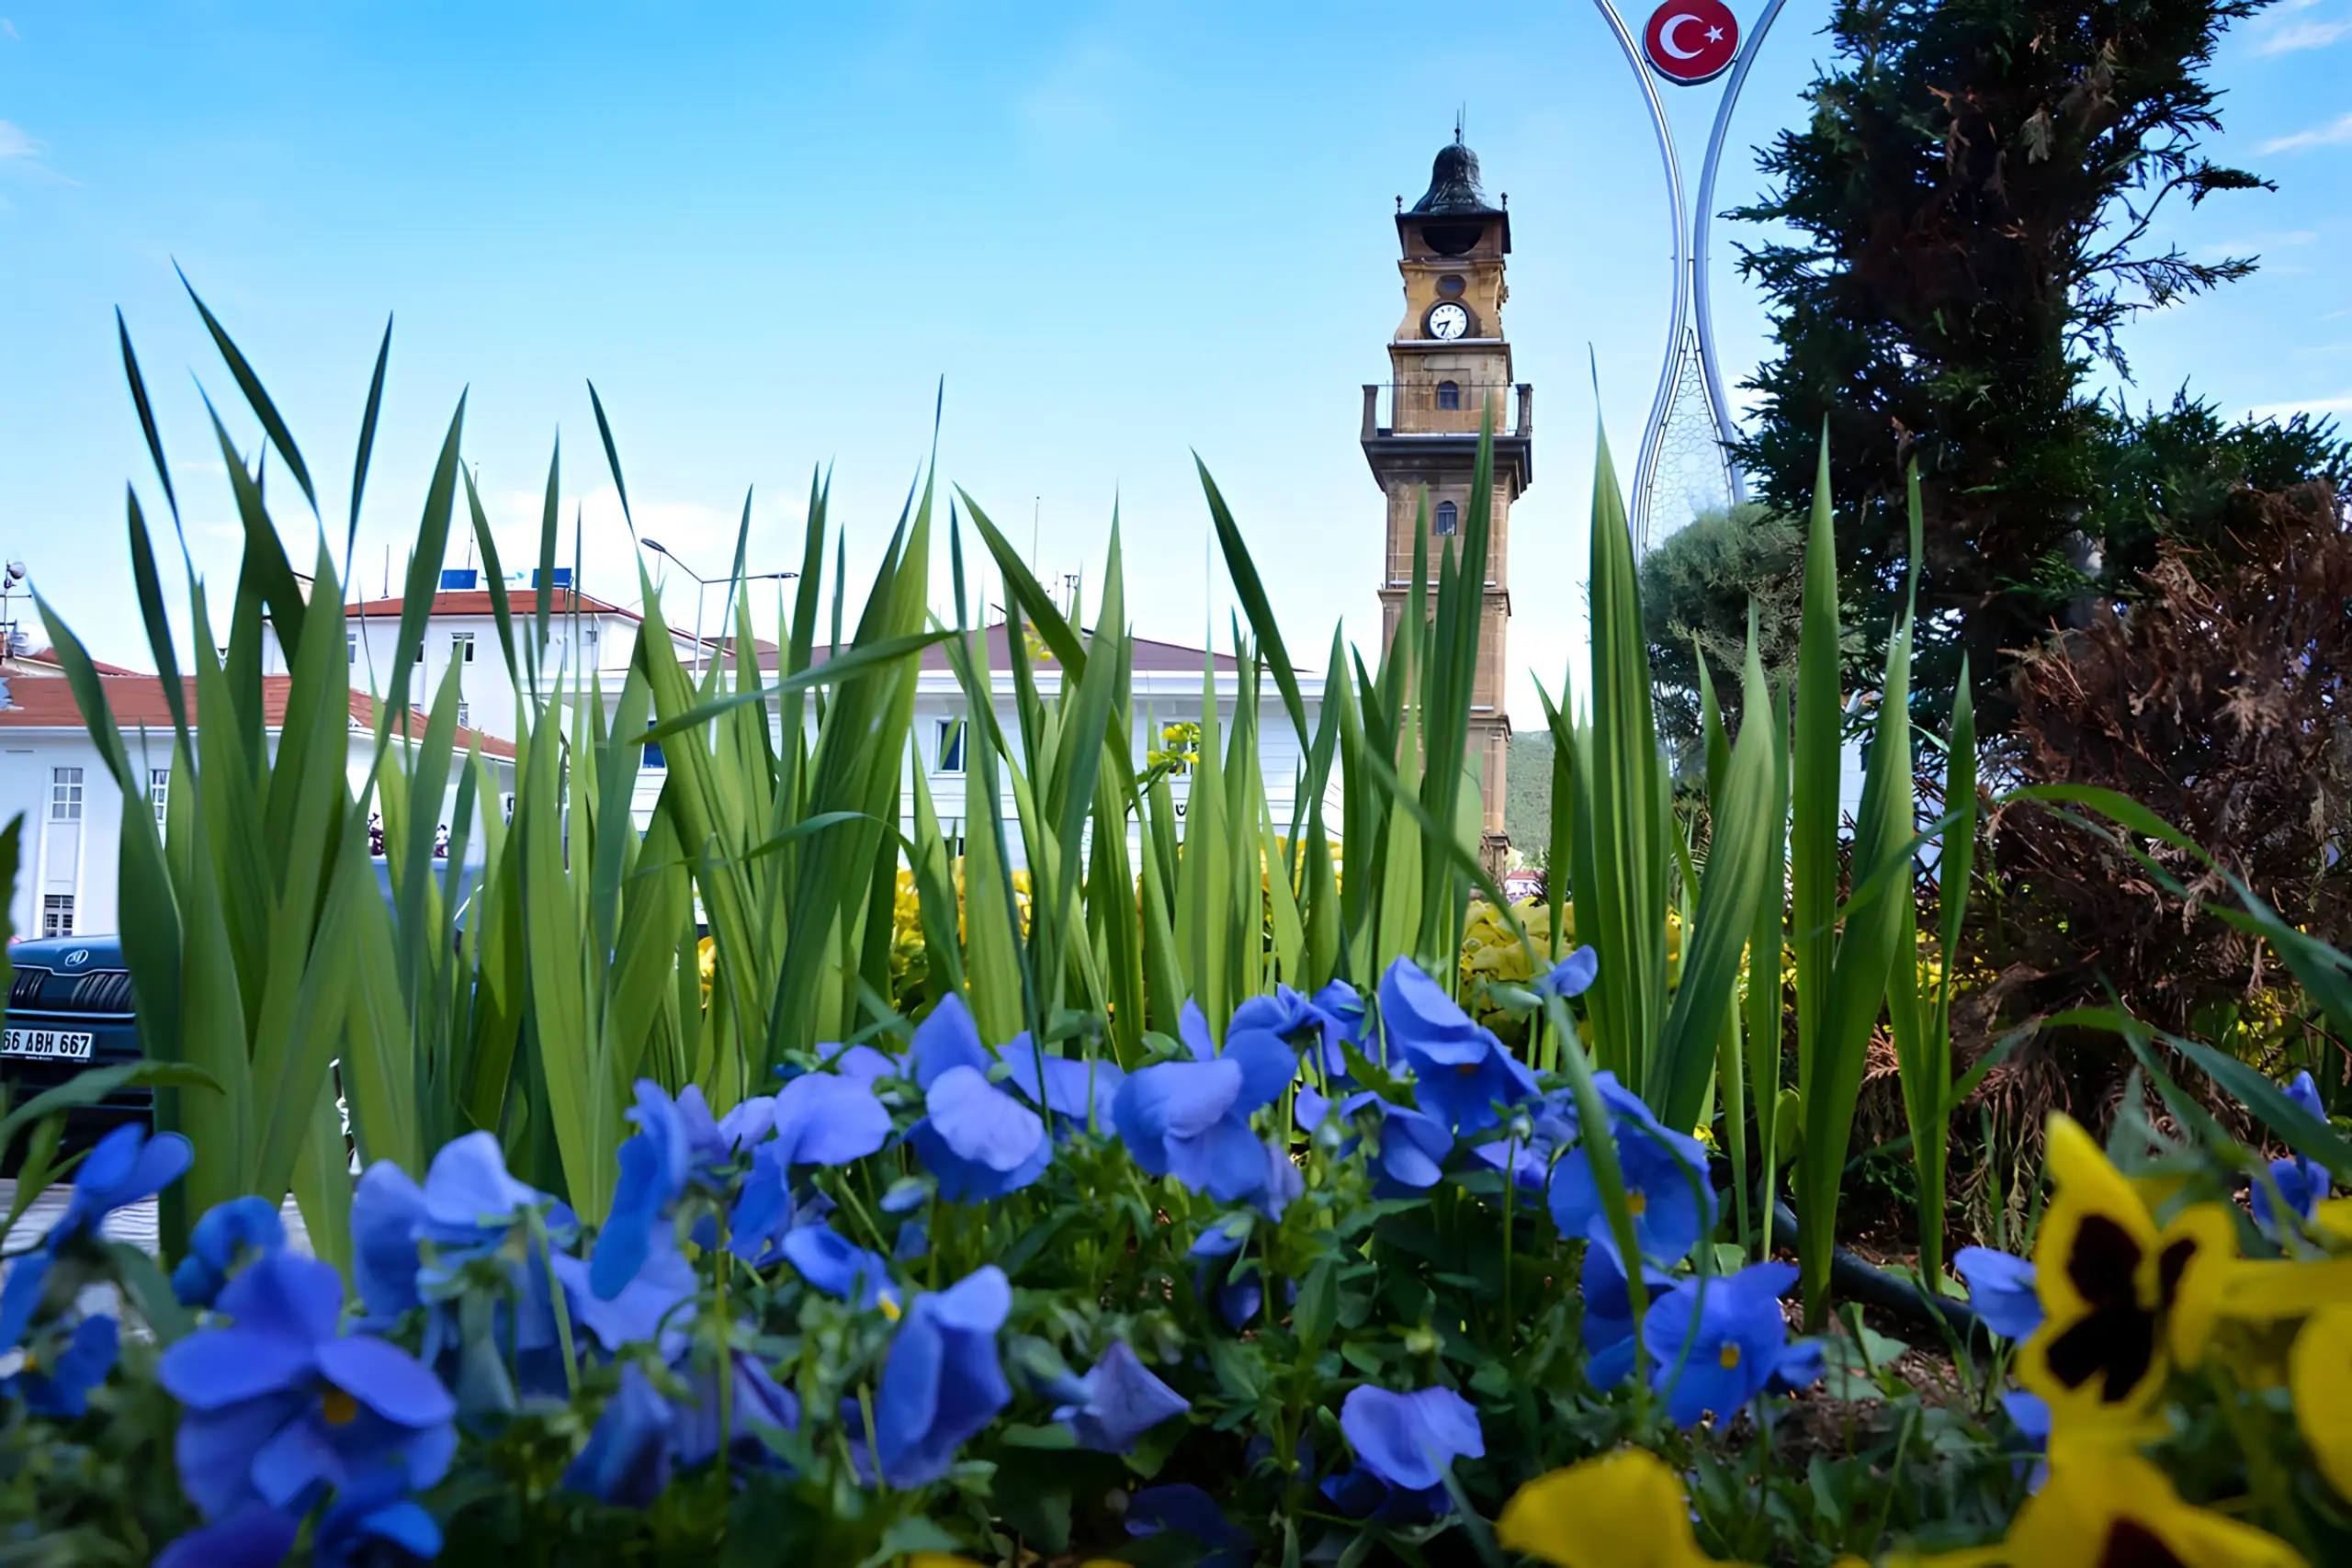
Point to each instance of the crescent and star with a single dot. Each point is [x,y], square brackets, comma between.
[1673,24]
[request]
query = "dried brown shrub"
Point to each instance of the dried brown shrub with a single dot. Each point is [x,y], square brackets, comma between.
[2218,700]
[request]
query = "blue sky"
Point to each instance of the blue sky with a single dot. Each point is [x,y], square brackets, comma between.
[1121,233]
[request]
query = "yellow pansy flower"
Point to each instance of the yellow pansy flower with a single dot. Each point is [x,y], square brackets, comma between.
[2105,1506]
[2319,1372]
[2123,1299]
[1624,1509]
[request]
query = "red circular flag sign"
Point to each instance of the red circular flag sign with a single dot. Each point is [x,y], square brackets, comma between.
[1691,41]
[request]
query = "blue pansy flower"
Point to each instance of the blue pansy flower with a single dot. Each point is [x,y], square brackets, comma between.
[1403,1444]
[415,1246]
[863,1063]
[754,1400]
[387,1206]
[1665,1173]
[280,1401]
[655,1165]
[229,1236]
[255,1536]
[769,1208]
[2001,1289]
[1717,1341]
[1359,1494]
[842,1268]
[1572,975]
[942,1382]
[820,1117]
[627,1460]
[1609,1341]
[2301,1182]
[472,1204]
[829,1119]
[1187,1511]
[126,1168]
[1530,1141]
[373,1524]
[2029,1414]
[1118,1401]
[1461,1072]
[1343,1013]
[1296,1020]
[1406,1149]
[1191,1119]
[1077,1093]
[1803,1363]
[979,1140]
[61,1383]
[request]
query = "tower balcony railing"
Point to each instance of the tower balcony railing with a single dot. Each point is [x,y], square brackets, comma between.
[1439,407]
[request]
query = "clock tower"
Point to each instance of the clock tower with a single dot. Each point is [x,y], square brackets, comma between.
[1448,363]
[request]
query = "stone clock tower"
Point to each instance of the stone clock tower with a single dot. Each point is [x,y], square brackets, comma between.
[1448,362]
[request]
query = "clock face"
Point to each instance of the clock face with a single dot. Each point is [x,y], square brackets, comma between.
[1449,320]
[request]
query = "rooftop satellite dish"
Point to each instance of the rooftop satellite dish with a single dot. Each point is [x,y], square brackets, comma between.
[16,571]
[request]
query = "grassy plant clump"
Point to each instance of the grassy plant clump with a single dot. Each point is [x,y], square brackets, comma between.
[796,1176]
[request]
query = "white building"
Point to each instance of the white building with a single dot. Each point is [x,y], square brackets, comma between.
[50,771]
[590,634]
[461,628]
[1166,688]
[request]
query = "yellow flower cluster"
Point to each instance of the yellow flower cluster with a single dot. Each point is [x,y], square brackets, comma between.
[2126,1301]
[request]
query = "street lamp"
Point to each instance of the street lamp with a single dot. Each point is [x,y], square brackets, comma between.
[702,582]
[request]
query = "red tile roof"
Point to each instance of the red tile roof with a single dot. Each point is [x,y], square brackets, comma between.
[1150,658]
[138,701]
[47,662]
[520,602]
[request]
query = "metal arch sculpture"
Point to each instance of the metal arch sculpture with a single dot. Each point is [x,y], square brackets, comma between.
[1690,373]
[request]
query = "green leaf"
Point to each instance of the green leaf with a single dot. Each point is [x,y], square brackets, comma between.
[150,1292]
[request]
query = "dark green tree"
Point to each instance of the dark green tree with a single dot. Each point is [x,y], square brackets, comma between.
[1972,202]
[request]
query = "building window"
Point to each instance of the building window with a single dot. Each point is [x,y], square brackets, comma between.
[350,648]
[57,914]
[465,715]
[1448,517]
[951,746]
[462,648]
[654,759]
[159,791]
[1449,395]
[66,794]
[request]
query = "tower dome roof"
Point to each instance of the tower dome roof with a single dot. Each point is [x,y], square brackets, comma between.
[1454,181]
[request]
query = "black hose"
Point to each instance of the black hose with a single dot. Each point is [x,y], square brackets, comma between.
[1856,1279]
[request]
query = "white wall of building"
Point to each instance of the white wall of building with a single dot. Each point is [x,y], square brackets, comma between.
[73,826]
[1159,699]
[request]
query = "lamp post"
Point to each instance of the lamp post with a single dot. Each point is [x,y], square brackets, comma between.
[702,582]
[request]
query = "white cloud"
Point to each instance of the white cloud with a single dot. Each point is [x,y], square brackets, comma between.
[1083,95]
[2255,244]
[2341,403]
[2334,133]
[15,143]
[2292,38]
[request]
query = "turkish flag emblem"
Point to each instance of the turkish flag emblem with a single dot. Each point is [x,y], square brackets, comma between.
[1690,41]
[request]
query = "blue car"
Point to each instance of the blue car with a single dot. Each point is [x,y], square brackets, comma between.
[69,1008]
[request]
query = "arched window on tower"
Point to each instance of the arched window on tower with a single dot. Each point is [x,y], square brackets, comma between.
[1448,517]
[1449,395]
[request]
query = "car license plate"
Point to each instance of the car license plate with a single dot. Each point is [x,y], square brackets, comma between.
[48,1045]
